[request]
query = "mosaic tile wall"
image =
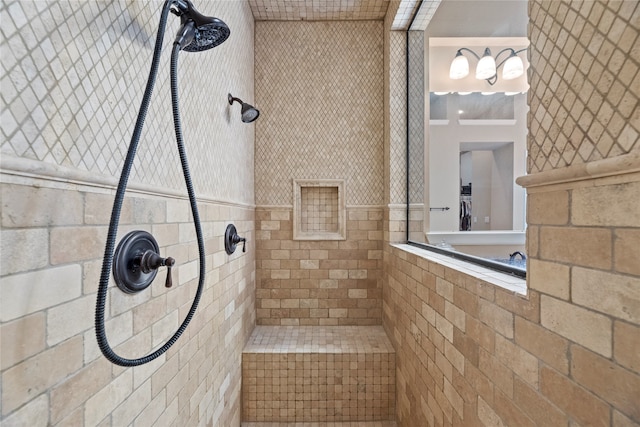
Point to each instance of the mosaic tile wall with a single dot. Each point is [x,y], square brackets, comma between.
[73,78]
[398,118]
[322,108]
[319,209]
[395,135]
[587,56]
[417,87]
[73,73]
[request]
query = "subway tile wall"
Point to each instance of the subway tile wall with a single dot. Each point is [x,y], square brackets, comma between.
[315,282]
[73,74]
[53,372]
[470,353]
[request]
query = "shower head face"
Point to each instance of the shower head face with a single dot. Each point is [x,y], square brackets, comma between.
[208,36]
[209,31]
[249,113]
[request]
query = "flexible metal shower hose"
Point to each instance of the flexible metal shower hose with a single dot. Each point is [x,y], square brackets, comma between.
[101,336]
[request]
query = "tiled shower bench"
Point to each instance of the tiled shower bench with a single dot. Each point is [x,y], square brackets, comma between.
[318,374]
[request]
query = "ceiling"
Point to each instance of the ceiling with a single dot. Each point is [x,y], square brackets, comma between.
[318,10]
[455,18]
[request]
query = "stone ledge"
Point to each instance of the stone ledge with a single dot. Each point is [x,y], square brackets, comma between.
[612,167]
[318,339]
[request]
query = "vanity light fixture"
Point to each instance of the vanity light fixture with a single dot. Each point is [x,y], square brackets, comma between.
[487,68]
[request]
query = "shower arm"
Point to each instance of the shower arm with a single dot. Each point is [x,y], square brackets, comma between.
[101,337]
[233,99]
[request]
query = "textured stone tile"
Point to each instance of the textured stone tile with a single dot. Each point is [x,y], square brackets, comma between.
[583,326]
[21,339]
[24,250]
[549,278]
[28,379]
[613,384]
[589,247]
[626,244]
[612,294]
[573,399]
[73,244]
[24,206]
[28,293]
[543,343]
[70,395]
[610,206]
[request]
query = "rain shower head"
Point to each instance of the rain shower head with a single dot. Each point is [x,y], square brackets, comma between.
[248,113]
[198,32]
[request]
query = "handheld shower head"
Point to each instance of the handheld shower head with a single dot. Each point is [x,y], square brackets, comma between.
[198,32]
[248,112]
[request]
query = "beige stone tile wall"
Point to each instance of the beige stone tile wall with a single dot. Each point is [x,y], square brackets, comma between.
[327,424]
[323,119]
[300,10]
[302,282]
[73,74]
[472,354]
[395,152]
[322,108]
[52,370]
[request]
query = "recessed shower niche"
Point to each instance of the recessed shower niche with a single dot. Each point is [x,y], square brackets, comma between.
[319,209]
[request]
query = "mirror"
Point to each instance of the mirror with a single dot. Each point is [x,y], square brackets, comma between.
[467,130]
[477,148]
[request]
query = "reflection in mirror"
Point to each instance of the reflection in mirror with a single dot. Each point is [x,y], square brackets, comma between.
[477,148]
[486,187]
